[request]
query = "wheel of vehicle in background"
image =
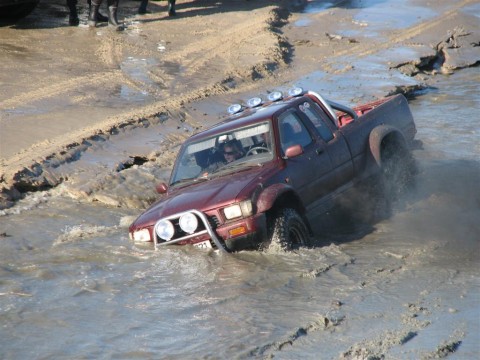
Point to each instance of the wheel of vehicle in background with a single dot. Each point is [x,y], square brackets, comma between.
[11,11]
[257,150]
[288,230]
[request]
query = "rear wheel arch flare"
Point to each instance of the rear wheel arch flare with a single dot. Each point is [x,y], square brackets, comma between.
[382,138]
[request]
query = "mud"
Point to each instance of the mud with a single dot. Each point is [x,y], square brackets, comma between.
[90,121]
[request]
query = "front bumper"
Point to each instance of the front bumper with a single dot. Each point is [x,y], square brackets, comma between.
[199,234]
[233,236]
[255,233]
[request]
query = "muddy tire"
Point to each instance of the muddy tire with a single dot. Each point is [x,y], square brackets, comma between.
[288,230]
[397,171]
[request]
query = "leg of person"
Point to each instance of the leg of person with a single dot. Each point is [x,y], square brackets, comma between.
[100,16]
[142,9]
[112,14]
[93,13]
[73,16]
[171,8]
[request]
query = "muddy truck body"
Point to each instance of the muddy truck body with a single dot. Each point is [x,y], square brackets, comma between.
[293,157]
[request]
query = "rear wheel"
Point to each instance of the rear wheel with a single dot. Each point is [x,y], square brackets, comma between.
[398,168]
[288,230]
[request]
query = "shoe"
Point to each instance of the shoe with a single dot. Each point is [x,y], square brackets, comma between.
[112,19]
[73,21]
[101,18]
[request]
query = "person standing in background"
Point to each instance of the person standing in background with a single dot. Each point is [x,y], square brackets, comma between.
[142,9]
[112,14]
[73,16]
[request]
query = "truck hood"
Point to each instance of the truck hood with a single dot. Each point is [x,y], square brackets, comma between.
[204,195]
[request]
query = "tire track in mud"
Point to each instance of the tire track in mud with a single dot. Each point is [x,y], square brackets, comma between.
[380,346]
[321,323]
[206,50]
[61,88]
[410,324]
[388,341]
[110,51]
[74,139]
[334,258]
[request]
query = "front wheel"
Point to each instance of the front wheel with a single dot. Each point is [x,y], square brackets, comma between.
[288,230]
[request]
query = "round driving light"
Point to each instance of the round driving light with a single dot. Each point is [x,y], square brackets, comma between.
[188,222]
[296,91]
[275,96]
[235,108]
[254,102]
[164,229]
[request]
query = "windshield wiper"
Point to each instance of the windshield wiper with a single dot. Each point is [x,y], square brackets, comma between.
[182,181]
[189,180]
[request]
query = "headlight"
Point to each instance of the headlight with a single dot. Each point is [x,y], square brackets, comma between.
[188,223]
[141,235]
[244,208]
[164,229]
[232,212]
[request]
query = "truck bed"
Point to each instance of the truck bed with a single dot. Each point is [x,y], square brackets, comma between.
[344,118]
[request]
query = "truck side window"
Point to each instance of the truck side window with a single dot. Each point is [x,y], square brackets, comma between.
[314,113]
[292,131]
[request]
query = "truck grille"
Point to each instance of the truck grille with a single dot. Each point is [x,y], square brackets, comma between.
[214,222]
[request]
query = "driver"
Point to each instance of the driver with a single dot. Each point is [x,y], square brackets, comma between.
[232,151]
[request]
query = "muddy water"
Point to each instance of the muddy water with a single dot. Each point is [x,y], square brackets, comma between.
[73,286]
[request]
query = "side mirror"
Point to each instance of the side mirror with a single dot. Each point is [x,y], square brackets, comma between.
[161,188]
[293,151]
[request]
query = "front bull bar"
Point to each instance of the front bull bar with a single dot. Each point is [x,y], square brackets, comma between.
[206,223]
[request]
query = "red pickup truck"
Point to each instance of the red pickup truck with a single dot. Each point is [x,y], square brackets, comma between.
[272,167]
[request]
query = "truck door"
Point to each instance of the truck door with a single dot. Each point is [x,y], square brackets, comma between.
[309,173]
[336,145]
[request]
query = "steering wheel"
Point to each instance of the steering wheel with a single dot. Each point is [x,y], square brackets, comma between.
[256,150]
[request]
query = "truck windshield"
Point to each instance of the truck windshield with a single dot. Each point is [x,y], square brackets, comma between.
[234,149]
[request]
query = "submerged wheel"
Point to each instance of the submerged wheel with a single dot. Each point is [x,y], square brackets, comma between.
[398,168]
[288,229]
